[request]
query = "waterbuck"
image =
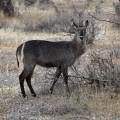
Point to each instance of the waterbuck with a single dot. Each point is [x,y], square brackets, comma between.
[60,54]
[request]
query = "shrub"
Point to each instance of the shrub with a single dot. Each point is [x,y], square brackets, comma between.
[7,7]
[104,68]
[117,10]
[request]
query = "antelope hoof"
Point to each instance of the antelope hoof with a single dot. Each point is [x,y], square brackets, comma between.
[51,91]
[34,95]
[24,95]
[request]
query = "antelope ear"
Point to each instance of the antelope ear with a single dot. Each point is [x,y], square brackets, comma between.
[74,25]
[86,23]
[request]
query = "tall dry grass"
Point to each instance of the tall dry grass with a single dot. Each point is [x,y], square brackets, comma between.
[50,17]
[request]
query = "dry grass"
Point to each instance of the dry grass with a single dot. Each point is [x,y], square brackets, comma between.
[85,101]
[54,17]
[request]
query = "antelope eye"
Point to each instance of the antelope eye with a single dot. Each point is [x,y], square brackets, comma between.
[84,31]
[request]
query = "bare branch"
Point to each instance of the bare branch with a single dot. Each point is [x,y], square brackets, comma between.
[103,19]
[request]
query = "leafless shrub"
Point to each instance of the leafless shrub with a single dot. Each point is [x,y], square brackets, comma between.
[93,29]
[29,2]
[79,17]
[51,18]
[44,1]
[92,32]
[7,7]
[32,2]
[104,69]
[117,10]
[58,20]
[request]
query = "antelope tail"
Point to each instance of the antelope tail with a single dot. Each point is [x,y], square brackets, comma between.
[20,53]
[17,57]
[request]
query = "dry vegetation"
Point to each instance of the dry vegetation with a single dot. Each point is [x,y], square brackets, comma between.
[51,21]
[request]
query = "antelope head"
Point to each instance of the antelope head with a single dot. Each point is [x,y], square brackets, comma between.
[80,31]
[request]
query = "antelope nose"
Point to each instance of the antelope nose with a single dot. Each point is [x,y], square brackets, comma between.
[81,37]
